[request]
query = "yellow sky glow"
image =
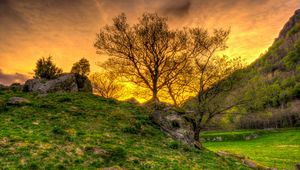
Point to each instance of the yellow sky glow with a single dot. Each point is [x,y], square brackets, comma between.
[67,29]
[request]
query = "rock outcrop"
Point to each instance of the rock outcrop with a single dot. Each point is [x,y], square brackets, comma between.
[290,24]
[287,37]
[172,122]
[17,101]
[64,83]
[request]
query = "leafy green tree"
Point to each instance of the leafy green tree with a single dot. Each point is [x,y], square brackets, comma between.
[82,67]
[45,68]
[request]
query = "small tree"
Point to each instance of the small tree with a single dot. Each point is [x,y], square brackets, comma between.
[45,68]
[82,67]
[106,85]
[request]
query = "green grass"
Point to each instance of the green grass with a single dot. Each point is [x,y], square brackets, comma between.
[83,131]
[276,148]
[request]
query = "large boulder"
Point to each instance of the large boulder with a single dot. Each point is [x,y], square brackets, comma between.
[64,83]
[172,122]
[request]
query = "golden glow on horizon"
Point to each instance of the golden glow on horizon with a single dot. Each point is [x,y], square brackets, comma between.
[67,31]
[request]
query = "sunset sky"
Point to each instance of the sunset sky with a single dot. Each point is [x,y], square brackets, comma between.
[66,29]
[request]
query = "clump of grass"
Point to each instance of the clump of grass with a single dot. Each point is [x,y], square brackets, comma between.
[64,99]
[58,130]
[117,154]
[174,145]
[133,128]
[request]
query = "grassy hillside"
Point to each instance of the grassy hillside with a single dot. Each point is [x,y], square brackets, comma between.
[83,131]
[275,148]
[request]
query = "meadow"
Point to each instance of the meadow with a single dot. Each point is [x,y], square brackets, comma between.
[273,148]
[84,131]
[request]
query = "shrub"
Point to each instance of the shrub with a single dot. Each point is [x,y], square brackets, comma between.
[82,67]
[294,30]
[296,90]
[291,59]
[45,68]
[16,87]
[286,94]
[289,82]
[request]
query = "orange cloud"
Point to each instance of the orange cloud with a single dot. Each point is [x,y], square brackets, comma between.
[67,29]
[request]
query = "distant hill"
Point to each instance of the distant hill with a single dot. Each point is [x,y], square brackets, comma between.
[271,84]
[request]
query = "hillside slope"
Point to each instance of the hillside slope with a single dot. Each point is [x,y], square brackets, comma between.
[271,84]
[84,131]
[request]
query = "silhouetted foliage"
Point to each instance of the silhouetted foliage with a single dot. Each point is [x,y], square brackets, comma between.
[149,54]
[45,68]
[106,85]
[181,63]
[213,80]
[82,67]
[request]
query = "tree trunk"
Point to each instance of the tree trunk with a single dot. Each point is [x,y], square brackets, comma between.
[197,142]
[154,92]
[197,134]
[154,97]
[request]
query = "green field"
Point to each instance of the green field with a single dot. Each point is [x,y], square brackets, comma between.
[84,131]
[272,148]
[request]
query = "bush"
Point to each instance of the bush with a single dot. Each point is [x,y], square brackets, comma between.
[289,82]
[286,94]
[291,59]
[82,67]
[296,90]
[294,30]
[45,68]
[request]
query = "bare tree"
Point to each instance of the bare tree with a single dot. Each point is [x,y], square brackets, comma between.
[176,62]
[179,90]
[106,84]
[148,53]
[214,81]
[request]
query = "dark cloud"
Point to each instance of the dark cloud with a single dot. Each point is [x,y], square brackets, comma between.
[177,8]
[7,79]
